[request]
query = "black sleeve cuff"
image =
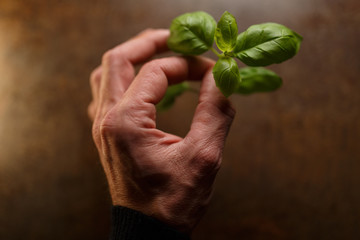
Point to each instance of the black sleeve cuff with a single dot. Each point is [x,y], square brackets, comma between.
[128,224]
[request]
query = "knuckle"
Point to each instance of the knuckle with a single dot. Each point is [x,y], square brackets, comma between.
[115,123]
[224,112]
[103,129]
[153,65]
[114,57]
[109,56]
[229,110]
[208,159]
[102,126]
[117,58]
[153,69]
[160,66]
[107,125]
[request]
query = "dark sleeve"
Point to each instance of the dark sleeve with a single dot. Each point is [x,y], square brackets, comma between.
[128,224]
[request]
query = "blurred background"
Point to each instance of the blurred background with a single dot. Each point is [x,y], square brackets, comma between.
[292,160]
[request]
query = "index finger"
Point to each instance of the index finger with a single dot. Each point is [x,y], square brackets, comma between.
[143,46]
[118,64]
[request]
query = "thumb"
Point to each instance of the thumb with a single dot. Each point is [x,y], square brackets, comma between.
[212,119]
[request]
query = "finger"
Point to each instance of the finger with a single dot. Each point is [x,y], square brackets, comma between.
[145,45]
[118,63]
[212,119]
[153,79]
[118,70]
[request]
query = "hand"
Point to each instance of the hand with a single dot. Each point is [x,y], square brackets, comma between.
[151,171]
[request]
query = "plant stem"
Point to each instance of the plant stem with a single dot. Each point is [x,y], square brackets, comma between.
[216,52]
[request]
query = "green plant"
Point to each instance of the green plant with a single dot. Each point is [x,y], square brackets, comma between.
[260,45]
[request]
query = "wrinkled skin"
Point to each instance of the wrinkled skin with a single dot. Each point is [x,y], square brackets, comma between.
[154,172]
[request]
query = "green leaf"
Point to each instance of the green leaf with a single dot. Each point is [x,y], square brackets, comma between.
[226,32]
[267,43]
[171,94]
[226,75]
[257,79]
[192,33]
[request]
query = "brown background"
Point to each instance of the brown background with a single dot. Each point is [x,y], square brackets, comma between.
[292,160]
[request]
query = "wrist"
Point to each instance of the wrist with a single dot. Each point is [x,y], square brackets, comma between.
[134,225]
[176,209]
[174,217]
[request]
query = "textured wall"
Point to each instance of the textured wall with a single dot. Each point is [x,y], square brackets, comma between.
[292,160]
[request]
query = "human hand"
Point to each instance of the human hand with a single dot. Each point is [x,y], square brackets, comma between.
[148,170]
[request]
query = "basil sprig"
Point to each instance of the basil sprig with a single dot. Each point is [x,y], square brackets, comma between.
[260,45]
